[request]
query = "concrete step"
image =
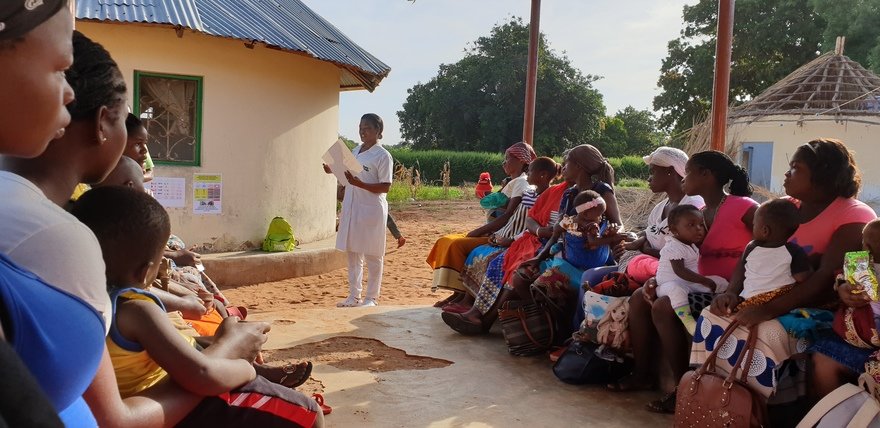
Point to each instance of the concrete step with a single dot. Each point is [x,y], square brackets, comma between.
[240,268]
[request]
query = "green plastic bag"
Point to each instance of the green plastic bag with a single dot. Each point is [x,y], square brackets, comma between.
[279,237]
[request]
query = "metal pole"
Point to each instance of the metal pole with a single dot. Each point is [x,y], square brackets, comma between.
[532,74]
[72,5]
[720,93]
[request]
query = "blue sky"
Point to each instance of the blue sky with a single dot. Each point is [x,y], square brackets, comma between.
[623,41]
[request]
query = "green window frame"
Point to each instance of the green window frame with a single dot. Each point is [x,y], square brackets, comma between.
[171,105]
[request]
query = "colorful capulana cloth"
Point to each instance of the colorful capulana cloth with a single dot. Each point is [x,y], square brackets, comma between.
[773,347]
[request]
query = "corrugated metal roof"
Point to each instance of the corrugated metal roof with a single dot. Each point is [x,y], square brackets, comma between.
[283,24]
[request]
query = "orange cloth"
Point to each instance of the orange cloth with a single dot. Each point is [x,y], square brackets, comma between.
[447,258]
[207,325]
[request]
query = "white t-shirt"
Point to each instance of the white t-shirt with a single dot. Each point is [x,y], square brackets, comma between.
[676,250]
[46,240]
[516,187]
[658,229]
[770,268]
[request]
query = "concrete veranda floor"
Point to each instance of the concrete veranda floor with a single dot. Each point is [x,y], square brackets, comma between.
[485,387]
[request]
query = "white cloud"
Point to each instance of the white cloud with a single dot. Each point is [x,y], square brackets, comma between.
[623,41]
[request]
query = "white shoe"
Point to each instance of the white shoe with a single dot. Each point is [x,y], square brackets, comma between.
[368,303]
[350,302]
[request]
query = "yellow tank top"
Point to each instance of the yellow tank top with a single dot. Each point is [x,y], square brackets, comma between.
[135,369]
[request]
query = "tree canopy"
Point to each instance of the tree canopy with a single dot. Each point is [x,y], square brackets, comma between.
[476,104]
[771,39]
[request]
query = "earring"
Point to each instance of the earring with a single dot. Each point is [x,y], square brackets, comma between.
[104,139]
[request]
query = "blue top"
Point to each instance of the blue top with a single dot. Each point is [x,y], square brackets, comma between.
[566,205]
[575,250]
[59,337]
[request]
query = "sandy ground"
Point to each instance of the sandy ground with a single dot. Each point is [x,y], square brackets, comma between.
[407,278]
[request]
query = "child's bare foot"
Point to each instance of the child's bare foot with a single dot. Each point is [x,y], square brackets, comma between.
[289,375]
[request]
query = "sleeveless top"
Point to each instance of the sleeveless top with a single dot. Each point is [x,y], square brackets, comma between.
[727,239]
[135,369]
[59,337]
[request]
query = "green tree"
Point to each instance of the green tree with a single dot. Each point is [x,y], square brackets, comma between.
[641,129]
[859,22]
[771,39]
[476,104]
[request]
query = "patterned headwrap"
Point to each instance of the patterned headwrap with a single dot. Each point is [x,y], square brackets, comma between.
[17,17]
[522,151]
[590,159]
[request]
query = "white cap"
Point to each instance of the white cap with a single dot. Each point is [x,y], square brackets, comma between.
[668,157]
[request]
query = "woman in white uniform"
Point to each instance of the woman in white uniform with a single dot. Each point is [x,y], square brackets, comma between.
[361,231]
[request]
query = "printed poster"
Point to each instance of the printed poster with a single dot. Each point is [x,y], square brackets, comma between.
[207,194]
[169,191]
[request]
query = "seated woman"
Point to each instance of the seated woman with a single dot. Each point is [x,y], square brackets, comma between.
[666,165]
[822,181]
[450,252]
[652,321]
[542,171]
[842,357]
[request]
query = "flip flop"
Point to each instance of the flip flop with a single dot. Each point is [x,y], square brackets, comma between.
[325,409]
[665,405]
[462,325]
[456,308]
[291,369]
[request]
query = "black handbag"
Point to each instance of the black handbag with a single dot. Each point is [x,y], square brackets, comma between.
[580,365]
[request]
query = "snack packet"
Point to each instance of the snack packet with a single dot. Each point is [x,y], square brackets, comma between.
[858,269]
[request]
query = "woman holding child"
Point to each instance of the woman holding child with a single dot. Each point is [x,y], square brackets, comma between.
[449,254]
[728,223]
[822,182]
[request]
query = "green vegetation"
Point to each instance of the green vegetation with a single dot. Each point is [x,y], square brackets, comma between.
[632,182]
[400,192]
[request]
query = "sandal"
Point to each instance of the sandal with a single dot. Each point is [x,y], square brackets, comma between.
[325,409]
[298,374]
[665,405]
[626,384]
[462,325]
[454,297]
[456,308]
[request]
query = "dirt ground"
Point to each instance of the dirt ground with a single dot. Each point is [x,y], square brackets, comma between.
[407,277]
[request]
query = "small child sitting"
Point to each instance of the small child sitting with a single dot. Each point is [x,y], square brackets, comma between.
[145,348]
[771,264]
[677,274]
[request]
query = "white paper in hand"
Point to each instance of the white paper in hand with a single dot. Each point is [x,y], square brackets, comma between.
[340,159]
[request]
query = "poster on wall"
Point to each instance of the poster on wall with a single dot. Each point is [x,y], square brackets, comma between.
[169,191]
[207,194]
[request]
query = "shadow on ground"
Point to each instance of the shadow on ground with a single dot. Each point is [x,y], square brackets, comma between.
[400,366]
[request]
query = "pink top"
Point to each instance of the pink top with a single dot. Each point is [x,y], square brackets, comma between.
[728,237]
[814,235]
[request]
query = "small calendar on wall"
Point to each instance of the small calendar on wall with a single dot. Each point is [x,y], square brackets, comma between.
[169,191]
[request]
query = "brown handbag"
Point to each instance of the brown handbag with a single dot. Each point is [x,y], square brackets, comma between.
[707,399]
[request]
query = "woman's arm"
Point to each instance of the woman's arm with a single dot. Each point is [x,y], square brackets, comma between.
[190,305]
[817,289]
[146,324]
[536,229]
[377,188]
[499,222]
[748,218]
[612,212]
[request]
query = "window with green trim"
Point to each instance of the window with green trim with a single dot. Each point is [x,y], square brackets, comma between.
[171,107]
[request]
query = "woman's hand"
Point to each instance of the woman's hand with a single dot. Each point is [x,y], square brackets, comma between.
[852,299]
[243,339]
[327,169]
[649,291]
[618,250]
[753,315]
[724,304]
[354,181]
[474,234]
[184,257]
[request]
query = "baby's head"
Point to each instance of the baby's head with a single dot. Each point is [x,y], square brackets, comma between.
[127,173]
[542,171]
[132,229]
[775,222]
[871,239]
[589,207]
[686,224]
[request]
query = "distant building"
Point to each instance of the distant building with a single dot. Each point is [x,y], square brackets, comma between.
[833,97]
[247,89]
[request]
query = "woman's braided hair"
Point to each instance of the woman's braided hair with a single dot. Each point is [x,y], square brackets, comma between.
[94,77]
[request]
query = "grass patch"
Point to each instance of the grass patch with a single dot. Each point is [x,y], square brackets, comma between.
[632,182]
[400,192]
